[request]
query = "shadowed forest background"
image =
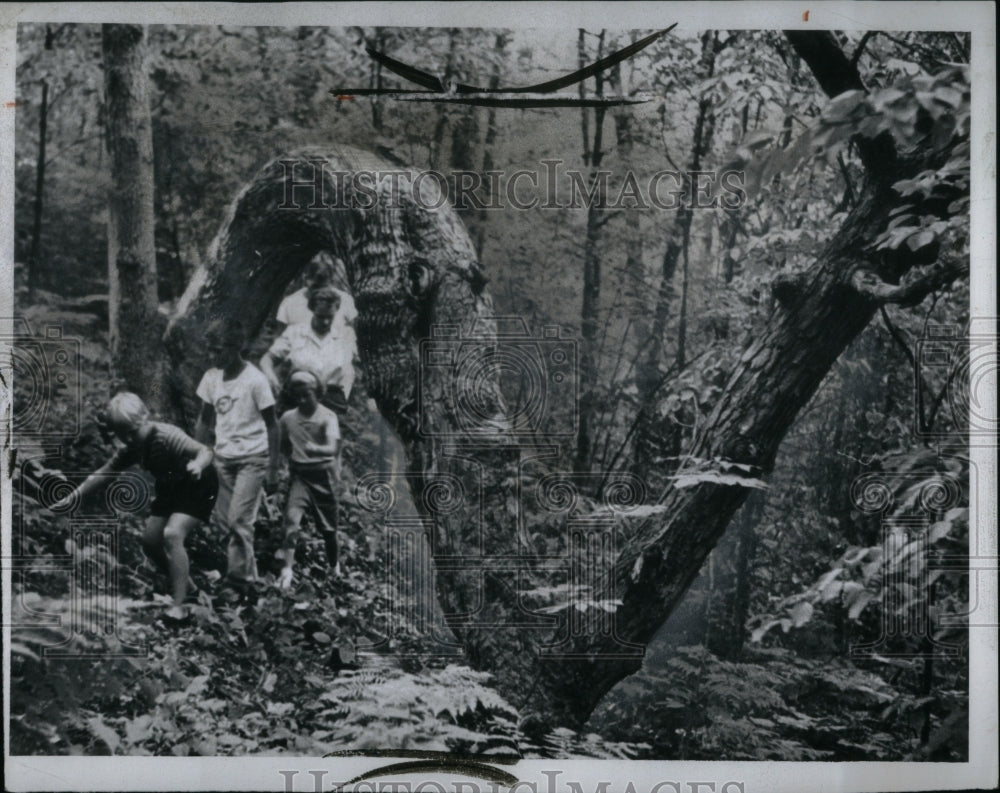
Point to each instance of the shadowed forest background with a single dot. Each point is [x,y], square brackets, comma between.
[756,661]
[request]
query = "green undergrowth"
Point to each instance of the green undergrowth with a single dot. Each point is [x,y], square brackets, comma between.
[325,667]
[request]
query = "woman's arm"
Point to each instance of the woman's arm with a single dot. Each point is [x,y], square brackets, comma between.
[275,357]
[267,367]
[321,449]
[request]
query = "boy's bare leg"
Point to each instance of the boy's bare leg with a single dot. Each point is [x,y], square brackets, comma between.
[174,534]
[288,547]
[152,543]
[295,505]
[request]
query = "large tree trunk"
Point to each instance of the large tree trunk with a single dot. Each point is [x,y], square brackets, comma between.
[427,340]
[135,326]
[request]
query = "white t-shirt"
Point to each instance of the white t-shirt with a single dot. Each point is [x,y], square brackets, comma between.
[321,428]
[329,358]
[239,427]
[294,309]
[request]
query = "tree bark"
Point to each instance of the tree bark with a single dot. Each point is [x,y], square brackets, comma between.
[635,288]
[135,325]
[590,308]
[499,46]
[731,608]
[35,255]
[426,339]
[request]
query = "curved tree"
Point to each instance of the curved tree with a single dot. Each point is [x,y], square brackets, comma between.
[411,268]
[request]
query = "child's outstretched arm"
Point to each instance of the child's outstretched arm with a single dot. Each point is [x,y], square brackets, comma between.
[87,486]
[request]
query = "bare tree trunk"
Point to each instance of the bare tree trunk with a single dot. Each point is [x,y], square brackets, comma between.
[590,309]
[635,289]
[35,252]
[732,606]
[656,437]
[35,255]
[135,325]
[376,81]
[581,51]
[443,117]
[499,46]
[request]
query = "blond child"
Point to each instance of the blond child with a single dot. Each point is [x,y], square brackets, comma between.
[186,486]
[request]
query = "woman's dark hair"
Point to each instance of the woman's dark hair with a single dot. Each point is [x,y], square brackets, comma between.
[322,293]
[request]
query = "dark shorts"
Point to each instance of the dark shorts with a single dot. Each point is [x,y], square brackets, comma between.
[194,497]
[312,490]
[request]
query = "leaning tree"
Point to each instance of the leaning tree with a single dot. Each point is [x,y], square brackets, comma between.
[412,268]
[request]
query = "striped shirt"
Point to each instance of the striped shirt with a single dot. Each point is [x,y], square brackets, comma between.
[165,453]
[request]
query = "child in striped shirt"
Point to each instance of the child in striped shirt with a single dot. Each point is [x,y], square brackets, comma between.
[186,486]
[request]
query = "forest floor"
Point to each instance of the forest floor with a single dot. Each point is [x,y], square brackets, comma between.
[328,666]
[322,667]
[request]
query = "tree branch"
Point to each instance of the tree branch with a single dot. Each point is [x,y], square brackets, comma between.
[836,73]
[897,336]
[914,287]
[856,55]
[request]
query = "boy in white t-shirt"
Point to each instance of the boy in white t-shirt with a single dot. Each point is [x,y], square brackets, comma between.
[237,401]
[310,438]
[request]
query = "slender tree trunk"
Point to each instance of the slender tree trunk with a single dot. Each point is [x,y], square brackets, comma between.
[35,255]
[499,47]
[656,437]
[581,50]
[443,117]
[681,358]
[590,309]
[732,605]
[135,325]
[375,81]
[634,287]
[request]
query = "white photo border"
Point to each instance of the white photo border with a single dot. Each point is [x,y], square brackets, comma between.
[256,773]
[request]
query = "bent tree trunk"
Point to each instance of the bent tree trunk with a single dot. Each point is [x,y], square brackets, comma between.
[428,347]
